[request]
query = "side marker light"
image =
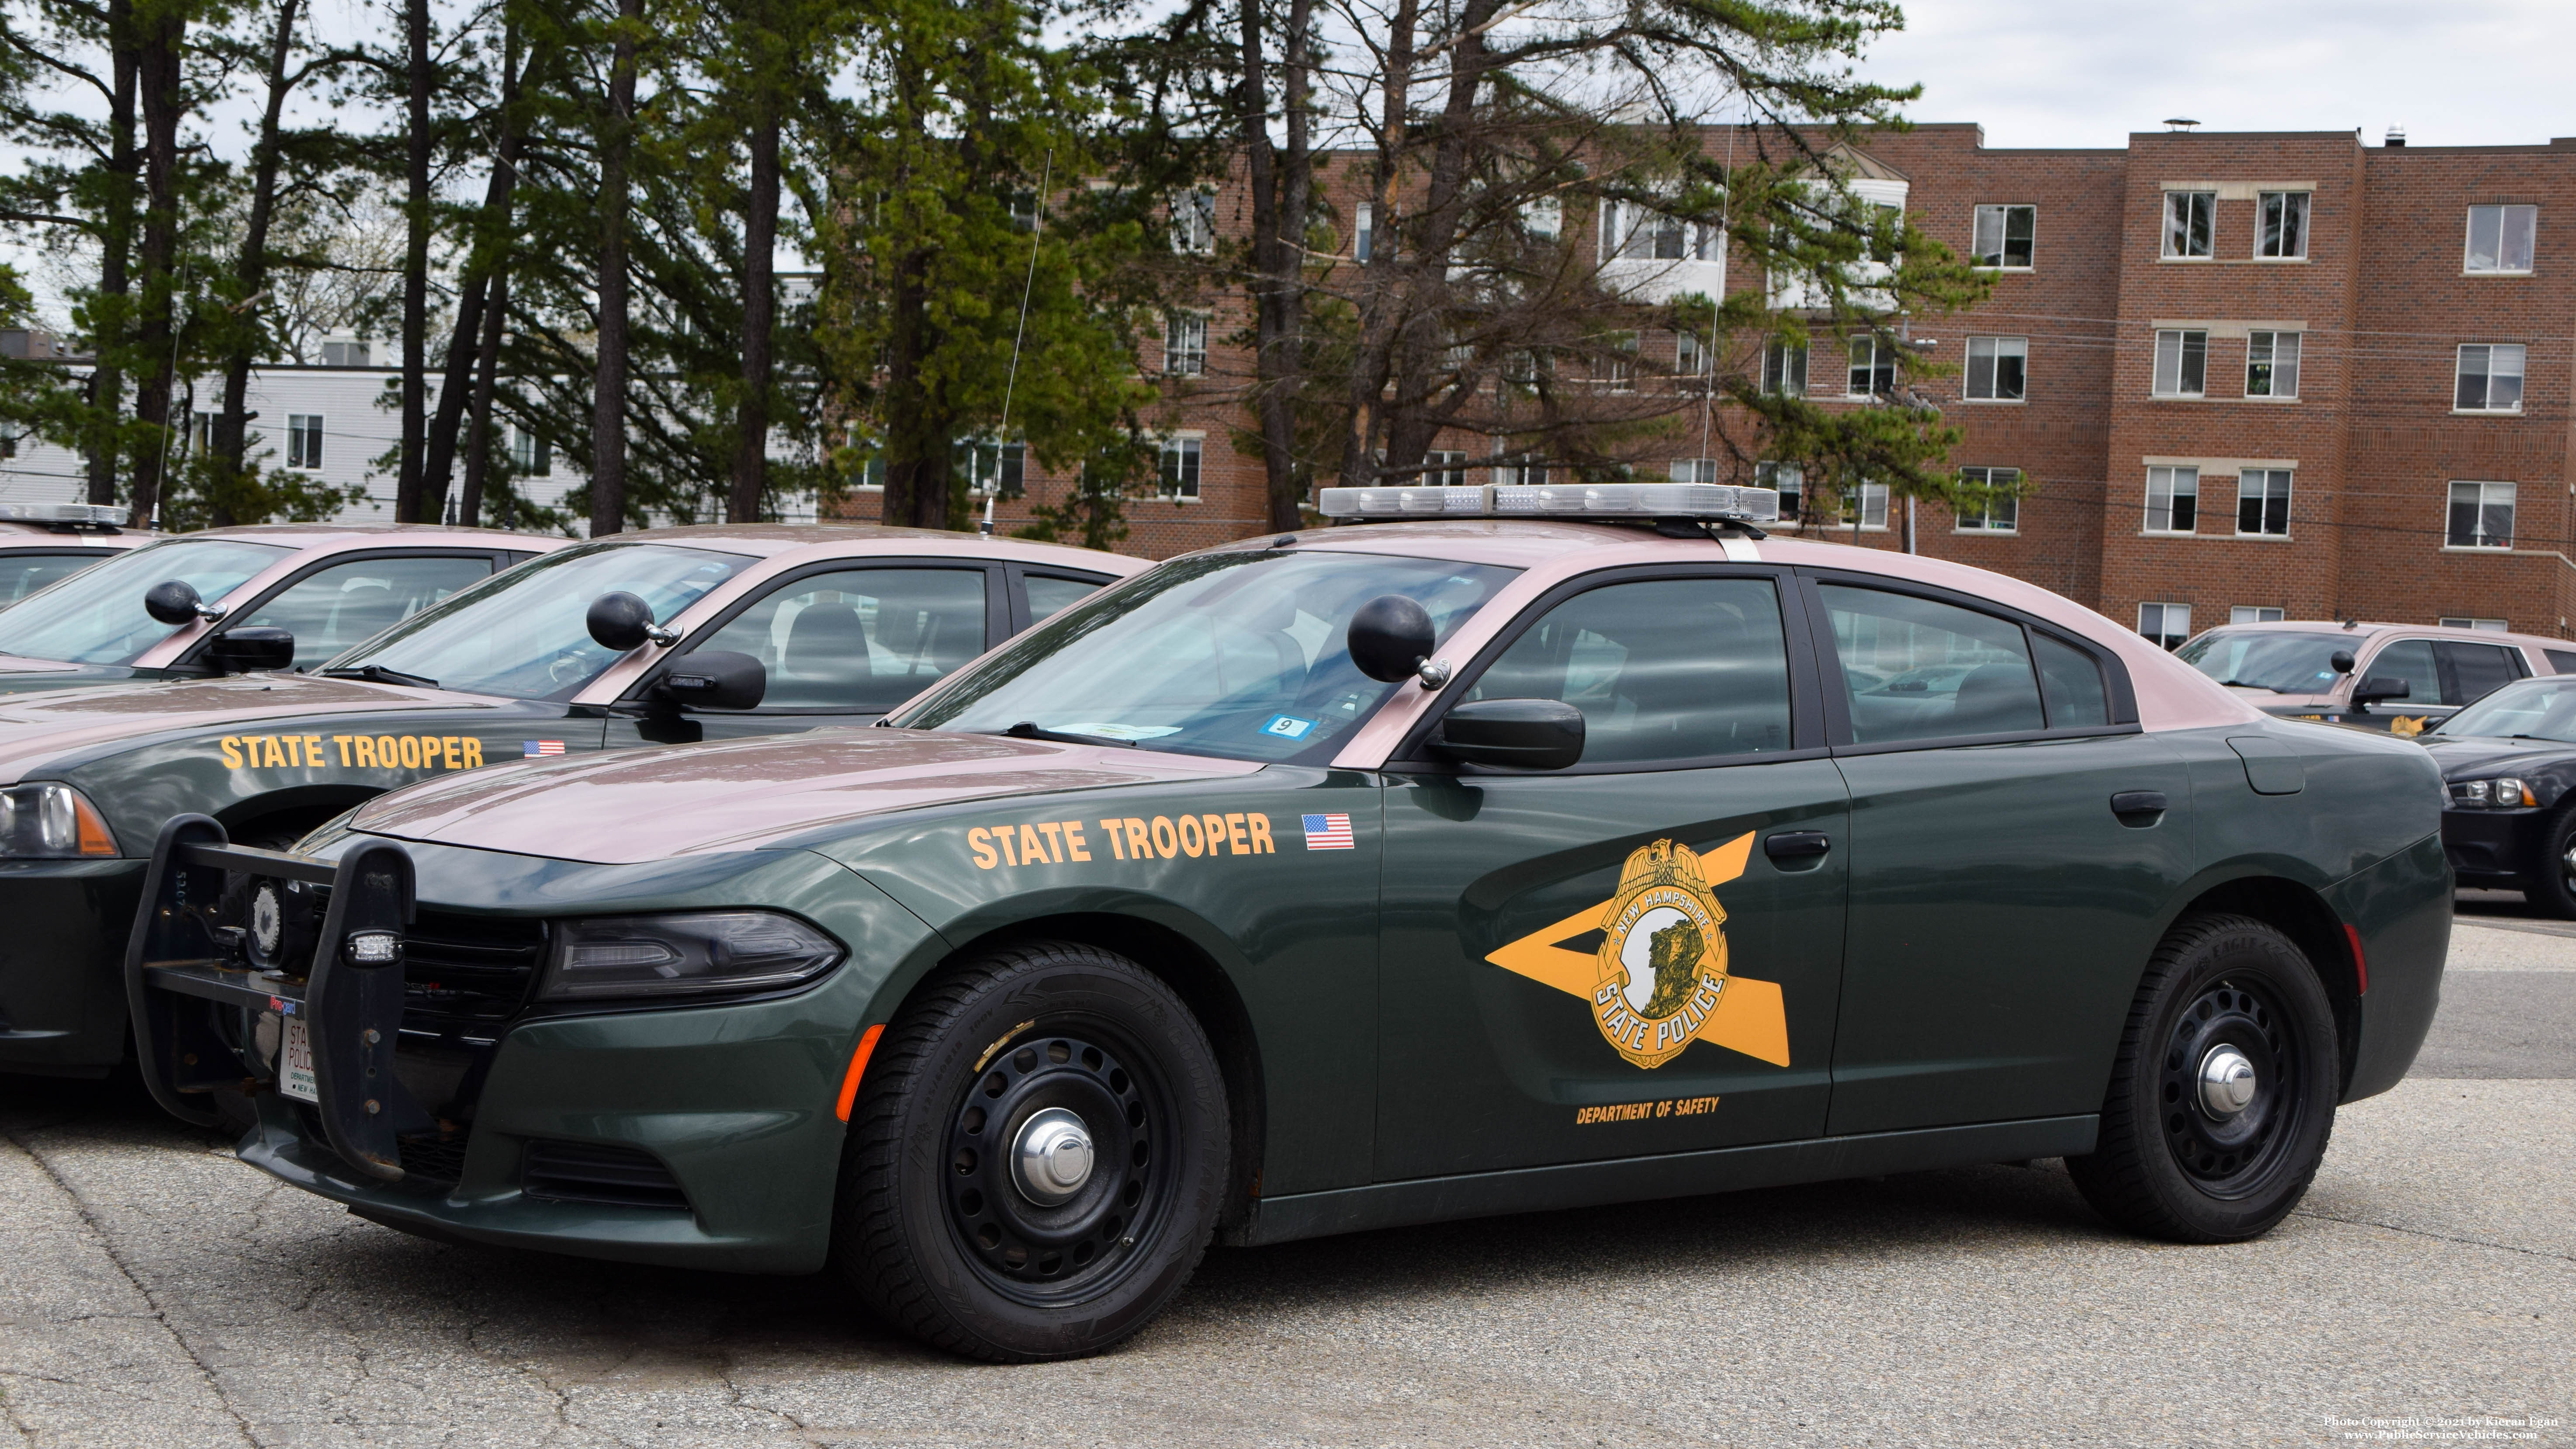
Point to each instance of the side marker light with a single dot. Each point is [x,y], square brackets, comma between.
[2360,969]
[858,1068]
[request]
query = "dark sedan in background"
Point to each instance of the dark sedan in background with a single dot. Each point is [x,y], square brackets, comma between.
[2509,772]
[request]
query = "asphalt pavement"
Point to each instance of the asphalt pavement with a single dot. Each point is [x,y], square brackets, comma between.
[157,1292]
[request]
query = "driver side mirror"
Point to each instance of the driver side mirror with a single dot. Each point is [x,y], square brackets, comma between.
[2380,686]
[175,602]
[621,621]
[1390,637]
[1522,734]
[2340,661]
[714,679]
[251,649]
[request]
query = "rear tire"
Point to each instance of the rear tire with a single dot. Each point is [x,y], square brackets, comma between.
[2548,888]
[954,1218]
[2177,1157]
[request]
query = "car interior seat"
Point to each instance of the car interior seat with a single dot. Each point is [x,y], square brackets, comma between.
[1995,697]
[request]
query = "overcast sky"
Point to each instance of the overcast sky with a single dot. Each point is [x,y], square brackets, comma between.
[2088,72]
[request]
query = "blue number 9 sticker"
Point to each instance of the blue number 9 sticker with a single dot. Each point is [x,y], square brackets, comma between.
[1288,727]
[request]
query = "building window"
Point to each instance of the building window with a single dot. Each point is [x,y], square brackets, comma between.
[2182,363]
[1873,506]
[2173,500]
[1185,344]
[1873,369]
[530,455]
[2493,626]
[2255,614]
[1544,219]
[8,440]
[1788,479]
[2272,365]
[2003,237]
[994,467]
[1363,231]
[1784,369]
[1524,469]
[1690,355]
[1632,232]
[1998,368]
[1445,469]
[2000,512]
[1614,369]
[1180,468]
[2490,378]
[1194,222]
[2281,231]
[1694,470]
[2167,624]
[304,440]
[2500,238]
[2188,222]
[2263,503]
[344,354]
[2481,516]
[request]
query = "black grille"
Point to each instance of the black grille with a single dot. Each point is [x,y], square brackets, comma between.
[468,975]
[591,1172]
[432,1159]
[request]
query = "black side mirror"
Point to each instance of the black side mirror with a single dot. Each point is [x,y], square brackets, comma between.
[2380,686]
[250,649]
[173,603]
[1389,638]
[1525,734]
[619,621]
[2340,661]
[713,679]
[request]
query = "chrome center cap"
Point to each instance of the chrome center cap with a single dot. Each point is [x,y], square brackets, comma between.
[1052,1159]
[2226,1082]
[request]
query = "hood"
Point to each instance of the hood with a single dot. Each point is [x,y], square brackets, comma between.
[631,806]
[2470,756]
[46,725]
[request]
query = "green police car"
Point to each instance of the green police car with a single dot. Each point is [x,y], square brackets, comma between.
[671,634]
[1510,849]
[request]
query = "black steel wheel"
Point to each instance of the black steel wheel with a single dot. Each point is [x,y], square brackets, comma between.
[2222,1096]
[1037,1156]
[2549,883]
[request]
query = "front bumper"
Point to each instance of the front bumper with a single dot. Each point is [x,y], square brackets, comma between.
[62,999]
[2496,847]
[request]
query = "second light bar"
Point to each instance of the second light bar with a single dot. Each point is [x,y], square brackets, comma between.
[1716,501]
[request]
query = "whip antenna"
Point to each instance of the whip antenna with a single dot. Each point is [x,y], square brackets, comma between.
[1010,384]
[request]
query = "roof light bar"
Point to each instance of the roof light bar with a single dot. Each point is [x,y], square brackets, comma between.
[1716,501]
[92,513]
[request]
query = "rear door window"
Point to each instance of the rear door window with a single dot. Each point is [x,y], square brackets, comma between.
[1920,669]
[2477,669]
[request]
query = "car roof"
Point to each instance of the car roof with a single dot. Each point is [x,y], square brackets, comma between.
[770,540]
[2360,630]
[323,536]
[2170,693]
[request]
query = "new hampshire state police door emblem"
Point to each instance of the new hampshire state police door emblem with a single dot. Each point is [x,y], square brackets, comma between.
[1663,956]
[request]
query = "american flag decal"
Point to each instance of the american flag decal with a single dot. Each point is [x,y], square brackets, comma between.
[530,749]
[1329,832]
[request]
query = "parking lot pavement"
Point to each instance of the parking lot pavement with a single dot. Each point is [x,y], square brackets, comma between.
[159,1292]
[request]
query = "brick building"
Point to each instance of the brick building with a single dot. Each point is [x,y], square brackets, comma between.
[2244,372]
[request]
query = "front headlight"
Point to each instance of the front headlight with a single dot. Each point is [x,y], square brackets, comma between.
[51,822]
[2510,792]
[684,954]
[2503,794]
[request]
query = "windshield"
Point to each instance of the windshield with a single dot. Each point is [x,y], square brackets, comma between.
[2286,662]
[2540,709]
[522,632]
[1239,655]
[96,616]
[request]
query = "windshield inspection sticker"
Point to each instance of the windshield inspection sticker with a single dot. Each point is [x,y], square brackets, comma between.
[1288,727]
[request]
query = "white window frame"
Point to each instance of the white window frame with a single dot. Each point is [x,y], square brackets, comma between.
[1859,364]
[2169,484]
[1997,350]
[304,433]
[1690,355]
[1993,222]
[1693,470]
[2255,614]
[2175,347]
[2172,623]
[2462,621]
[1185,344]
[1779,361]
[2489,353]
[2269,244]
[2001,516]
[2504,215]
[2279,352]
[1872,498]
[1177,475]
[2176,217]
[1625,223]
[525,448]
[1194,223]
[1789,480]
[1363,231]
[1445,467]
[2485,494]
[2267,480]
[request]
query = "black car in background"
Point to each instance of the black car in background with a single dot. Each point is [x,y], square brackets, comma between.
[2509,769]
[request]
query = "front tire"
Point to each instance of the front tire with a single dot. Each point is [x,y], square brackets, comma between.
[1037,1157]
[2222,1097]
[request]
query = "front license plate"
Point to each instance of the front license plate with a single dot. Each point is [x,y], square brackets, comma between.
[295,1064]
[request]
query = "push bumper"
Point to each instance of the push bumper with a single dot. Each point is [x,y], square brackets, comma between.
[2495,846]
[62,998]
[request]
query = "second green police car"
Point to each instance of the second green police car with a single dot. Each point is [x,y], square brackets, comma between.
[1568,847]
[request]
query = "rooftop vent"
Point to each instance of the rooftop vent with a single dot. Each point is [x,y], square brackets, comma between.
[2179,123]
[2396,137]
